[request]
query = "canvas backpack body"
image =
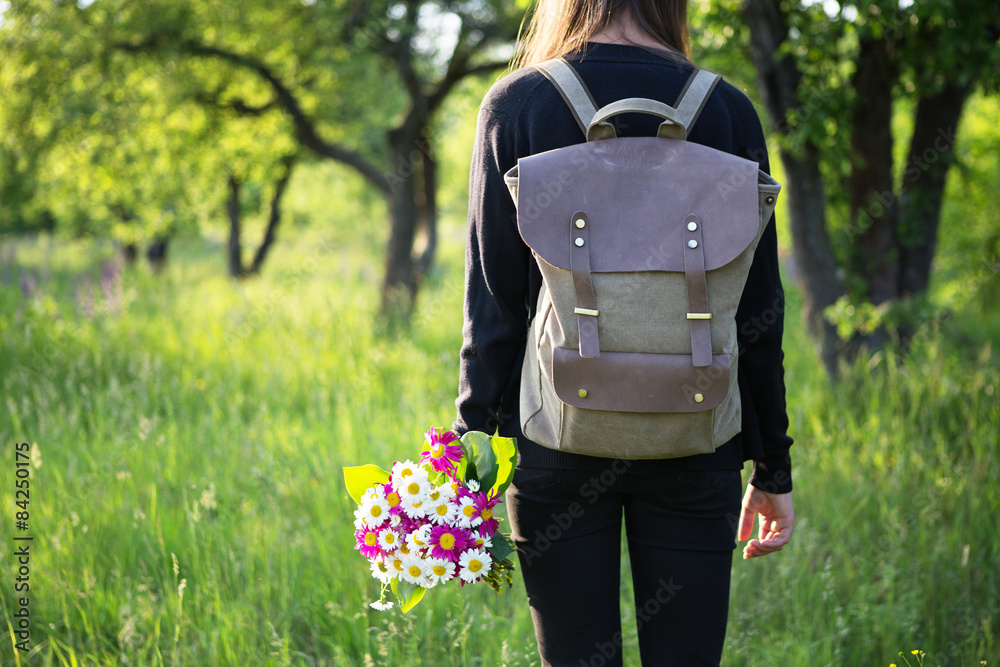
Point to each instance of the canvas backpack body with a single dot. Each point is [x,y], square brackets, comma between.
[644,246]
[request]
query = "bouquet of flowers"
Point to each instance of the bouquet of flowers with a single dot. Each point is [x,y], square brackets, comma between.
[427,523]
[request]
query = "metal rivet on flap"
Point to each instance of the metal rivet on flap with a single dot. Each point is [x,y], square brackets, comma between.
[692,226]
[769,200]
[692,243]
[698,398]
[582,393]
[579,243]
[580,223]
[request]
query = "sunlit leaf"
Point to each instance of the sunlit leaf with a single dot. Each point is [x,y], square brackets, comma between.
[408,594]
[360,478]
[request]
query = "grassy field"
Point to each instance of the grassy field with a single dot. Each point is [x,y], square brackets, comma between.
[187,504]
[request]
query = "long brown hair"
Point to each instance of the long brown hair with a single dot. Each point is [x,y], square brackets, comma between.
[562,27]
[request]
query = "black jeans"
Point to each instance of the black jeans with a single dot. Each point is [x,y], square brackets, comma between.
[681,531]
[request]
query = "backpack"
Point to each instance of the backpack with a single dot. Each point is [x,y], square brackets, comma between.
[644,246]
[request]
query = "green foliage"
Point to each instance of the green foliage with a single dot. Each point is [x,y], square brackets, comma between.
[967,265]
[195,418]
[124,119]
[118,149]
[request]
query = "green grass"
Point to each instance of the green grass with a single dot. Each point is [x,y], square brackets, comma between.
[191,429]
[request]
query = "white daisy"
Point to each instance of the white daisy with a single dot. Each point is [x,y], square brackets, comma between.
[388,539]
[482,541]
[474,564]
[381,606]
[447,491]
[375,511]
[472,485]
[442,513]
[415,508]
[417,540]
[441,570]
[415,488]
[394,520]
[406,471]
[393,564]
[375,492]
[382,571]
[467,514]
[434,494]
[415,569]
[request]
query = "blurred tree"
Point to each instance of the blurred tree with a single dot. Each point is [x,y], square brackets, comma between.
[108,146]
[358,82]
[834,77]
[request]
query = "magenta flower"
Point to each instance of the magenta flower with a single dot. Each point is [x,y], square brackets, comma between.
[367,542]
[440,454]
[449,542]
[484,507]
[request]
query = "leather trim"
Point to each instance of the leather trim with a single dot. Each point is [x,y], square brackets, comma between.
[665,180]
[697,292]
[635,382]
[590,345]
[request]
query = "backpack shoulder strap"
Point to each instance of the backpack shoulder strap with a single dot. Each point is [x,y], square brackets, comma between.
[574,92]
[571,87]
[694,96]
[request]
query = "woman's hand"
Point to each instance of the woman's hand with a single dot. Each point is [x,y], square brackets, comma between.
[776,519]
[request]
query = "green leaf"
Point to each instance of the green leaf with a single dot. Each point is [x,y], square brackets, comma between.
[360,478]
[505,450]
[479,448]
[465,470]
[408,594]
[501,547]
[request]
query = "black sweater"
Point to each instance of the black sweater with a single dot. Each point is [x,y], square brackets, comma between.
[523,114]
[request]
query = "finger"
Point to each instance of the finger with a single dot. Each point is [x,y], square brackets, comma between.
[746,523]
[774,541]
[747,516]
[755,549]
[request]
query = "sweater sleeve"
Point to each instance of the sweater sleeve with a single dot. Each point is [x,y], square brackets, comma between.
[760,325]
[496,278]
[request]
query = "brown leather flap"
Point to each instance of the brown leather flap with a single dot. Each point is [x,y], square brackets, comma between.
[637,188]
[635,382]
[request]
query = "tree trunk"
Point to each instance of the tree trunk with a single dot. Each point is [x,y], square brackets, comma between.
[233,209]
[274,219]
[129,252]
[874,212]
[931,153]
[156,253]
[814,259]
[427,205]
[805,190]
[402,277]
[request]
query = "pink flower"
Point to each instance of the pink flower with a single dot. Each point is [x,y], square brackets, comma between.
[449,542]
[367,542]
[392,498]
[484,507]
[440,454]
